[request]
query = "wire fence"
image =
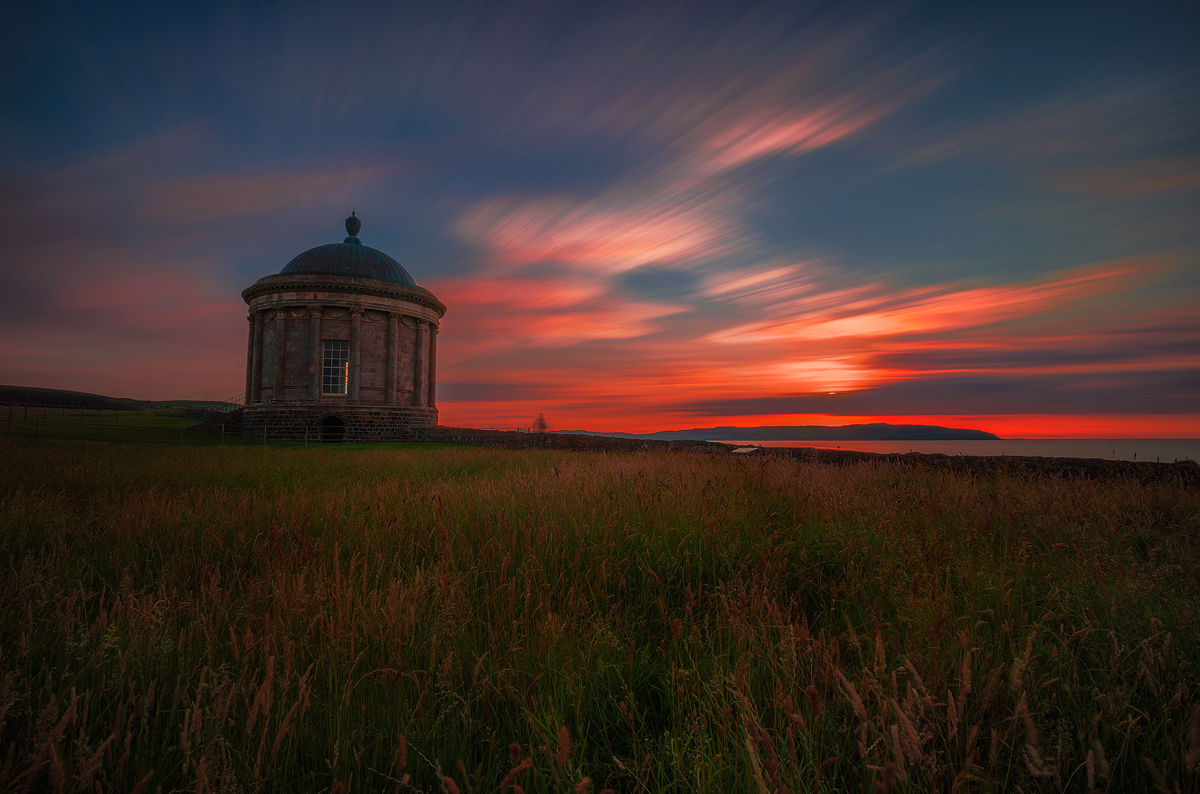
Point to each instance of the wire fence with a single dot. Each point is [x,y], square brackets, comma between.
[82,423]
[218,423]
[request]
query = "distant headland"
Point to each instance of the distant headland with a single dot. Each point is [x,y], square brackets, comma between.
[876,431]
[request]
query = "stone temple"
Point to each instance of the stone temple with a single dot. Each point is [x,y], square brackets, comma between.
[343,346]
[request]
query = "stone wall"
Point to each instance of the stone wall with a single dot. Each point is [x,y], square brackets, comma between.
[372,372]
[288,379]
[362,423]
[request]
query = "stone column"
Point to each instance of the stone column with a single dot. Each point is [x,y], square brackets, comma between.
[280,352]
[249,356]
[314,352]
[433,333]
[393,345]
[256,378]
[356,316]
[419,365]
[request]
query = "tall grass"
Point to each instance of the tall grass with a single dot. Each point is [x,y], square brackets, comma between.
[461,619]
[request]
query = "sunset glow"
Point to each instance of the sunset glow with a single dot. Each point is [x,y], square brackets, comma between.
[638,222]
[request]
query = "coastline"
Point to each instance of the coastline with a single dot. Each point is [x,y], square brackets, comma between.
[1186,473]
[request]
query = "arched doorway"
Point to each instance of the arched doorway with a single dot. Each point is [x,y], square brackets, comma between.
[333,430]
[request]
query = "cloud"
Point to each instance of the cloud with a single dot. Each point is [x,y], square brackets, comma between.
[759,329]
[200,198]
[130,294]
[682,210]
[635,216]
[1115,137]
[545,311]
[604,236]
[1103,393]
[112,320]
[1110,116]
[1132,178]
[1049,343]
[949,307]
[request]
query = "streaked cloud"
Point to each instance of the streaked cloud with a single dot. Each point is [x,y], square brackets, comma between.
[939,309]
[603,236]
[214,197]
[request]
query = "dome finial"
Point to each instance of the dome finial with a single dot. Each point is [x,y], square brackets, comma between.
[353,224]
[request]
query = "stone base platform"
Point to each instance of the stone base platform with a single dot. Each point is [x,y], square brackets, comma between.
[333,423]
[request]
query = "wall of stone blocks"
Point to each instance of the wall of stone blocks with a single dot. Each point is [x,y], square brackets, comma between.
[301,422]
[371,341]
[270,349]
[335,329]
[372,372]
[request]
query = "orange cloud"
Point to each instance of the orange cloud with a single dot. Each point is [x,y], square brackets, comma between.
[547,311]
[682,212]
[943,308]
[607,235]
[770,132]
[825,335]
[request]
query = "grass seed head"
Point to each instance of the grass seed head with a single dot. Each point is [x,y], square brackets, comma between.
[516,772]
[1156,775]
[911,741]
[815,703]
[898,755]
[564,746]
[860,710]
[888,775]
[1017,677]
[1192,757]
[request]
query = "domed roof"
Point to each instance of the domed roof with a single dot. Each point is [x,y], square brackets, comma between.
[349,258]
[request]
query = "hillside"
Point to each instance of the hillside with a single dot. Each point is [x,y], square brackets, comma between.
[33,395]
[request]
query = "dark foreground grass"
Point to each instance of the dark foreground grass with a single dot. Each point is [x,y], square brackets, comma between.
[240,618]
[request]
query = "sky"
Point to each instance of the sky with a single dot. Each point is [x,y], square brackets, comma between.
[641,216]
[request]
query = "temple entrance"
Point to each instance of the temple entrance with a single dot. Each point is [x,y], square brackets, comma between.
[333,430]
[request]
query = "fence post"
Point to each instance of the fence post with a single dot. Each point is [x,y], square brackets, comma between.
[66,425]
[101,425]
[8,427]
[37,422]
[222,434]
[180,431]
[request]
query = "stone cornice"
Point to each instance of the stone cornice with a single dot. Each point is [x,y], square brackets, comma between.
[343,284]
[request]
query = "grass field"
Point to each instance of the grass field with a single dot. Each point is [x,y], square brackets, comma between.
[136,426]
[38,422]
[240,618]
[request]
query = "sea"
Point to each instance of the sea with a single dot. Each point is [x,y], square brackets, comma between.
[1166,450]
